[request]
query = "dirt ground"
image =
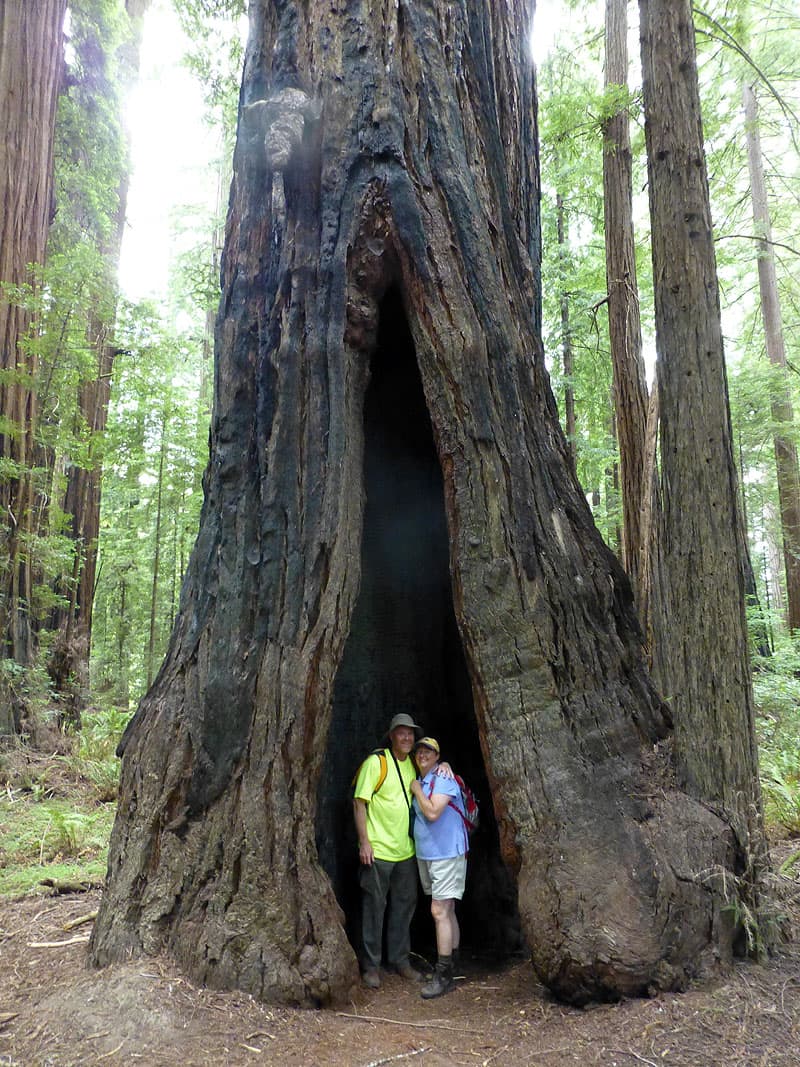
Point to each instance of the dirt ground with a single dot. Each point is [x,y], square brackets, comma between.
[55,1012]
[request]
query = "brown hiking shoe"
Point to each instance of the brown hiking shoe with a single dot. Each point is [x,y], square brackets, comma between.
[405,970]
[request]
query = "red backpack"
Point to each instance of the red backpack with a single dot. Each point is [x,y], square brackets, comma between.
[470,815]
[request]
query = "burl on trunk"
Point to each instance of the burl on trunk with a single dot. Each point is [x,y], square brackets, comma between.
[392,523]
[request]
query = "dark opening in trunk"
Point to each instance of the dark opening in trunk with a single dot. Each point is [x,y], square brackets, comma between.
[404,651]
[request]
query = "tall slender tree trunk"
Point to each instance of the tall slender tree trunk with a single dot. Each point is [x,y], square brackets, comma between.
[780,399]
[392,520]
[625,333]
[151,643]
[760,634]
[702,535]
[566,339]
[611,490]
[30,69]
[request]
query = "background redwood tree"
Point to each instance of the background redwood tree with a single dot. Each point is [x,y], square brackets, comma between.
[392,521]
[786,462]
[624,325]
[30,68]
[705,644]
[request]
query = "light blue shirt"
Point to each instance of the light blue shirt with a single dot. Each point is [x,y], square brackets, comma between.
[446,836]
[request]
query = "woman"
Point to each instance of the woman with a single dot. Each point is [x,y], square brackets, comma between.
[442,843]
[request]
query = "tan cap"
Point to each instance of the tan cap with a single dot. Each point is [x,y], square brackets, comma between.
[403,720]
[429,742]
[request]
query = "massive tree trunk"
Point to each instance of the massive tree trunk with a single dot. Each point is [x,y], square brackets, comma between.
[392,521]
[780,398]
[702,533]
[30,68]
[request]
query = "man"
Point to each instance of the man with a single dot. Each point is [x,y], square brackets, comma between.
[388,873]
[442,843]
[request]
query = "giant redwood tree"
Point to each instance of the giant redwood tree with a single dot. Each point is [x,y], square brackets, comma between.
[392,521]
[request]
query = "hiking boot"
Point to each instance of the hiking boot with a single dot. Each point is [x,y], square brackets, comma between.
[442,981]
[405,970]
[371,978]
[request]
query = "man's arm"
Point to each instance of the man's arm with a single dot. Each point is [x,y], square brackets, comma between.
[364,847]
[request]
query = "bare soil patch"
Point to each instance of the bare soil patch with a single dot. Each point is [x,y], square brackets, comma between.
[56,1012]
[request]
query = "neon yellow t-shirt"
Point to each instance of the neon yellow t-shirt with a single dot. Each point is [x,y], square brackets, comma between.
[387,810]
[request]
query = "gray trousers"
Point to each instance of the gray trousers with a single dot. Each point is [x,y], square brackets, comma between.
[396,882]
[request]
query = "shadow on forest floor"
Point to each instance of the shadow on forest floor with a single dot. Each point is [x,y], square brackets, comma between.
[56,1012]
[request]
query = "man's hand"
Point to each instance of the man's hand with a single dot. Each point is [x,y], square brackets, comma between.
[444,770]
[365,854]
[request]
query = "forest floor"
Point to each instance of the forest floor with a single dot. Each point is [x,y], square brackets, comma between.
[56,1012]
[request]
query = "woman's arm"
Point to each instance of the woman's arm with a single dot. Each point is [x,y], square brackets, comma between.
[432,806]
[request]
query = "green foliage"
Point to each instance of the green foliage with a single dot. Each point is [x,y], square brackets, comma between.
[759,45]
[574,109]
[152,499]
[156,442]
[70,305]
[28,687]
[60,299]
[90,144]
[776,686]
[95,760]
[50,839]
[738,43]
[781,788]
[18,879]
[55,815]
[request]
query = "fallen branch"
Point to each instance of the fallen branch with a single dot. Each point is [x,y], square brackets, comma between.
[81,939]
[399,1056]
[67,887]
[80,921]
[112,1052]
[636,1056]
[404,1022]
[7,1016]
[494,1055]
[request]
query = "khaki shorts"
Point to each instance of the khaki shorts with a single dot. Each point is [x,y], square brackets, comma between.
[443,879]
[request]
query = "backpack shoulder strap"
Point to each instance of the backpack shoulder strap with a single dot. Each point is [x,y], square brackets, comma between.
[383,766]
[451,804]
